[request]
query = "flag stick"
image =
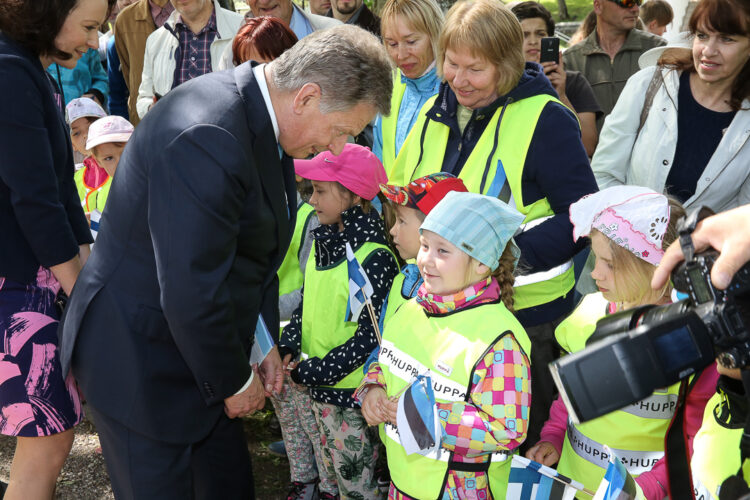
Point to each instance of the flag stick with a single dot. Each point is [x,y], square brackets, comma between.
[585,490]
[374,320]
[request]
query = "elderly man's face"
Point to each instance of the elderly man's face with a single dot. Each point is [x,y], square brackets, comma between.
[274,8]
[347,7]
[191,8]
[310,132]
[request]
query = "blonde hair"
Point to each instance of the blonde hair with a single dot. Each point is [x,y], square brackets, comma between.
[631,272]
[424,16]
[489,30]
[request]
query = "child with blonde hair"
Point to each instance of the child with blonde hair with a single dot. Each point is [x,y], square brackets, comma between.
[460,330]
[629,228]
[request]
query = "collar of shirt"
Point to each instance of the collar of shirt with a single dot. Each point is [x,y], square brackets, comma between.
[260,77]
[299,23]
[210,25]
[355,16]
[160,14]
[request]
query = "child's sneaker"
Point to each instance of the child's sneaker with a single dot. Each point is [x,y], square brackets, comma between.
[303,491]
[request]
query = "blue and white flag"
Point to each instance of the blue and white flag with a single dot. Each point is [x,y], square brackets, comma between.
[417,420]
[531,480]
[617,484]
[263,342]
[360,288]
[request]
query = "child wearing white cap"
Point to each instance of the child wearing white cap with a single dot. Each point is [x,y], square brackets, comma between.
[629,228]
[80,113]
[106,140]
[459,330]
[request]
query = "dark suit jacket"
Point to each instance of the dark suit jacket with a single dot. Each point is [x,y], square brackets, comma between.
[197,223]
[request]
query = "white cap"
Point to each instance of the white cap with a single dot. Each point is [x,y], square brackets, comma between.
[675,41]
[109,129]
[81,107]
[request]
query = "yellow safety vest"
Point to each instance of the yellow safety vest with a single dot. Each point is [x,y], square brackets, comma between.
[324,309]
[501,148]
[290,274]
[91,198]
[716,453]
[449,346]
[388,123]
[635,433]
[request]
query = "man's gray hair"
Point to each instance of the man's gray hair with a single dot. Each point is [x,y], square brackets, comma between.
[348,63]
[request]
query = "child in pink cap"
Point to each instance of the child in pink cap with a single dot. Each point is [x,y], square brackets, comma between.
[629,228]
[323,347]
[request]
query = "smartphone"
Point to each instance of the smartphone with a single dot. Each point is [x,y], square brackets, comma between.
[550,51]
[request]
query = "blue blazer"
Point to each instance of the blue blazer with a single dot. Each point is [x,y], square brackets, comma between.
[197,222]
[41,219]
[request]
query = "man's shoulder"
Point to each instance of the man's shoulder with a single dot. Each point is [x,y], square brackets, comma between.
[644,40]
[232,19]
[129,15]
[319,22]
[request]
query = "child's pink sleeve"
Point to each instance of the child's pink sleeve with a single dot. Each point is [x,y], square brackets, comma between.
[492,420]
[374,376]
[555,427]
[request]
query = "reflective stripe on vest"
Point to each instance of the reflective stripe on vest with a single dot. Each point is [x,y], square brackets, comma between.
[389,123]
[324,305]
[716,453]
[637,462]
[495,168]
[449,347]
[635,433]
[529,279]
[290,274]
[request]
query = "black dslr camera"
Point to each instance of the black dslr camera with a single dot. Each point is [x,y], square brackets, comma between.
[633,352]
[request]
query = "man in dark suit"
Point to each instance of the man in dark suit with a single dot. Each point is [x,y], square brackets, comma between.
[159,325]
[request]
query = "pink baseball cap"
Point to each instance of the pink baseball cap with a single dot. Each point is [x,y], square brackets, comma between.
[356,168]
[111,128]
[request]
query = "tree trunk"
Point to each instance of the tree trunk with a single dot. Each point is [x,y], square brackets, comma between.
[562,7]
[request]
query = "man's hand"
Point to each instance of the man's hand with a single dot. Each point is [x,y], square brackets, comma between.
[727,232]
[271,373]
[249,401]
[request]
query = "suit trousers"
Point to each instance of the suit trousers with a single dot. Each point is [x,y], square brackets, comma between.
[143,468]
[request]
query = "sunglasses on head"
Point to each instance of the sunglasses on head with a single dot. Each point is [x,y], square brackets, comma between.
[627,4]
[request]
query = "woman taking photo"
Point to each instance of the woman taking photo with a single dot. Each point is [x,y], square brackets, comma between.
[45,233]
[497,124]
[692,140]
[410,31]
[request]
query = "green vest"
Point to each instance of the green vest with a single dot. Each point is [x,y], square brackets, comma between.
[499,148]
[635,433]
[324,309]
[290,274]
[91,199]
[388,123]
[449,347]
[716,453]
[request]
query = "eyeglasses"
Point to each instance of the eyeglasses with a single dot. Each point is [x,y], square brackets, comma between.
[627,4]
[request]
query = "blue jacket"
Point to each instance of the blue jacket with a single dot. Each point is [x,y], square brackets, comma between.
[87,76]
[41,219]
[556,168]
[118,91]
[417,92]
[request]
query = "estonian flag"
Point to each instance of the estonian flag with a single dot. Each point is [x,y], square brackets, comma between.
[360,288]
[417,422]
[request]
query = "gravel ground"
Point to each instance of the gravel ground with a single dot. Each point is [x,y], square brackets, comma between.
[84,476]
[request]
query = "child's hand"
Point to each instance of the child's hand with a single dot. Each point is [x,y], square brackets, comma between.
[373,407]
[391,409]
[544,453]
[287,364]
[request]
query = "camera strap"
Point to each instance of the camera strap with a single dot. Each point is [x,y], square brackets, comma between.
[676,454]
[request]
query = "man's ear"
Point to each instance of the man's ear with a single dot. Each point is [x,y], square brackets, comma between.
[598,6]
[307,96]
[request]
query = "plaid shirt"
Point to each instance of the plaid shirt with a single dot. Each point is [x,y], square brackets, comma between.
[194,52]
